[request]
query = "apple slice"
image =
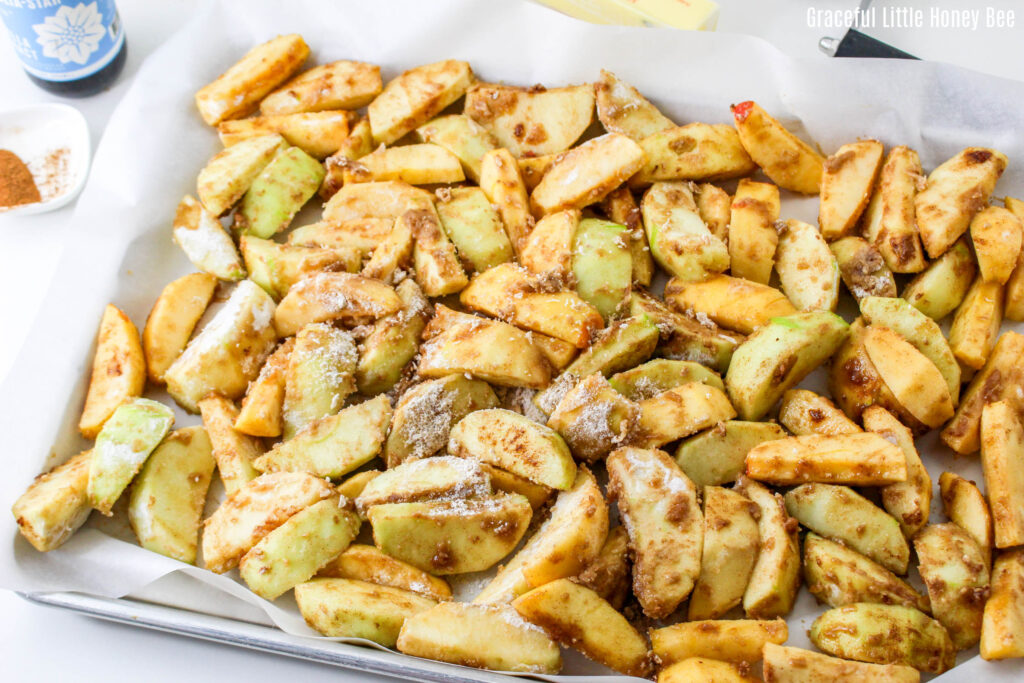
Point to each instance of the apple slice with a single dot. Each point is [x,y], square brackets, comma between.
[570,538]
[579,617]
[913,379]
[515,443]
[118,371]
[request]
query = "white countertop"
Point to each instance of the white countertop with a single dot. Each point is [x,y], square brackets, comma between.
[40,644]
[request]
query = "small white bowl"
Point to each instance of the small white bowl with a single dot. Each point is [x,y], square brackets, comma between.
[34,133]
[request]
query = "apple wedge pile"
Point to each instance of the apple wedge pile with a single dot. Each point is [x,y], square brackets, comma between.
[466,363]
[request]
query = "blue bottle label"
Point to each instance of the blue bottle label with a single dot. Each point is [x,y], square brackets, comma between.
[63,40]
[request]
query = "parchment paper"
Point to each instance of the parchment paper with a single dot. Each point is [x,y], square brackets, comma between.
[120,249]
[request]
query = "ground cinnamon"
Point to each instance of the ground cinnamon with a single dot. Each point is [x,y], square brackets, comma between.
[16,184]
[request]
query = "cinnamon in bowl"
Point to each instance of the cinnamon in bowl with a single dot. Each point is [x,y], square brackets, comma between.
[17,186]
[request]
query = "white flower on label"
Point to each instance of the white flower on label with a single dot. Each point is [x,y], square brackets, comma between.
[72,34]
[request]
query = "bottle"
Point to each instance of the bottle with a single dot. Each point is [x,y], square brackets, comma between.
[73,48]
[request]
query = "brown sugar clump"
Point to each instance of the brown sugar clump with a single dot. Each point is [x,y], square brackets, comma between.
[16,184]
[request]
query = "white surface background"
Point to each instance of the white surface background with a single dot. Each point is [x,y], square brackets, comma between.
[43,644]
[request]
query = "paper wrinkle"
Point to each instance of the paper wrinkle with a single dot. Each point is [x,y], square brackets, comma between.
[120,249]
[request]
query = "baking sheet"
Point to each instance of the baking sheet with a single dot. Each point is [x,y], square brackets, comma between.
[120,249]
